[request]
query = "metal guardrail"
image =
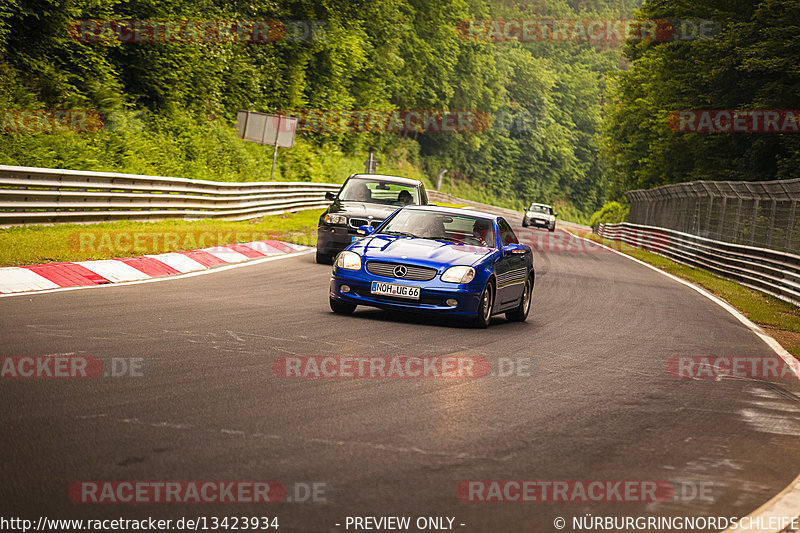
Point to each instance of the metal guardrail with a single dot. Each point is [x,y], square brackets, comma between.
[45,196]
[751,213]
[769,271]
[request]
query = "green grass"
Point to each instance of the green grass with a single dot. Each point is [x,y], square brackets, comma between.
[27,245]
[779,318]
[34,244]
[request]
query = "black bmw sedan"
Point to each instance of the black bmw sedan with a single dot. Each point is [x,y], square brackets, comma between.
[364,199]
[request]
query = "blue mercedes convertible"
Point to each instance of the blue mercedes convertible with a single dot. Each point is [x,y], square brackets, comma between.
[436,260]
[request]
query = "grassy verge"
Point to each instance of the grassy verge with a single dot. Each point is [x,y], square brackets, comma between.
[781,320]
[27,245]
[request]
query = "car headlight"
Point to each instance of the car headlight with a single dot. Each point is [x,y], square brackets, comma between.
[458,274]
[349,261]
[551,218]
[335,219]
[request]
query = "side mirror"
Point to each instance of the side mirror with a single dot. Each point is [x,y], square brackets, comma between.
[330,196]
[517,249]
[366,229]
[555,214]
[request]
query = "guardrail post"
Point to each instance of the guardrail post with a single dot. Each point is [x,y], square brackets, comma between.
[696,217]
[790,226]
[771,222]
[736,221]
[756,204]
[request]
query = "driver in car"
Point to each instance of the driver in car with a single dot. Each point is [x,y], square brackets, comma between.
[405,198]
[431,228]
[480,231]
[362,193]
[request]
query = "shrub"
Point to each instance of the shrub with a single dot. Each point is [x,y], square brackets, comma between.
[610,213]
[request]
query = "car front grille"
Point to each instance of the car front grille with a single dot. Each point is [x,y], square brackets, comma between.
[413,273]
[358,222]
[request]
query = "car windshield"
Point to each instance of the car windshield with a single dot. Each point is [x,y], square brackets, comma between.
[536,208]
[459,229]
[379,192]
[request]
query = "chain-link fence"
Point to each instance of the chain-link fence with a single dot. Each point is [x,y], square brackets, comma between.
[753,213]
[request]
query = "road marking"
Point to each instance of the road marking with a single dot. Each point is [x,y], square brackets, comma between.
[179,262]
[785,504]
[227,254]
[20,279]
[168,278]
[113,270]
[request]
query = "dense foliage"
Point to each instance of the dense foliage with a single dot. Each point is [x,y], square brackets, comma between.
[610,213]
[750,61]
[169,107]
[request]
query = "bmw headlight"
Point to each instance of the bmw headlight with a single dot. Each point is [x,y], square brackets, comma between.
[335,219]
[458,274]
[349,261]
[551,218]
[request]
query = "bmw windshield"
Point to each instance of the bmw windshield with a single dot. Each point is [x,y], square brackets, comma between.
[379,192]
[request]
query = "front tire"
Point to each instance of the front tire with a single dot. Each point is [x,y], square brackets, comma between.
[485,306]
[341,308]
[524,222]
[520,313]
[552,229]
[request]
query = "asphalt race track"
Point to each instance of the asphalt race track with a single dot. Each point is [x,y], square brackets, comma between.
[597,402]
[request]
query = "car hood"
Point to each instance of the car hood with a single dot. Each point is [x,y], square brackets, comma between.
[362,210]
[538,215]
[423,252]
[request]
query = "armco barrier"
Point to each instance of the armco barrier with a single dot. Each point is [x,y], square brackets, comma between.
[45,196]
[770,271]
[750,213]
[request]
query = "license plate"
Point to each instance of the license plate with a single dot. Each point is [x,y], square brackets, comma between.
[399,291]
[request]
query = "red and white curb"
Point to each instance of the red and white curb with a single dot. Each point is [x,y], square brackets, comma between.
[88,273]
